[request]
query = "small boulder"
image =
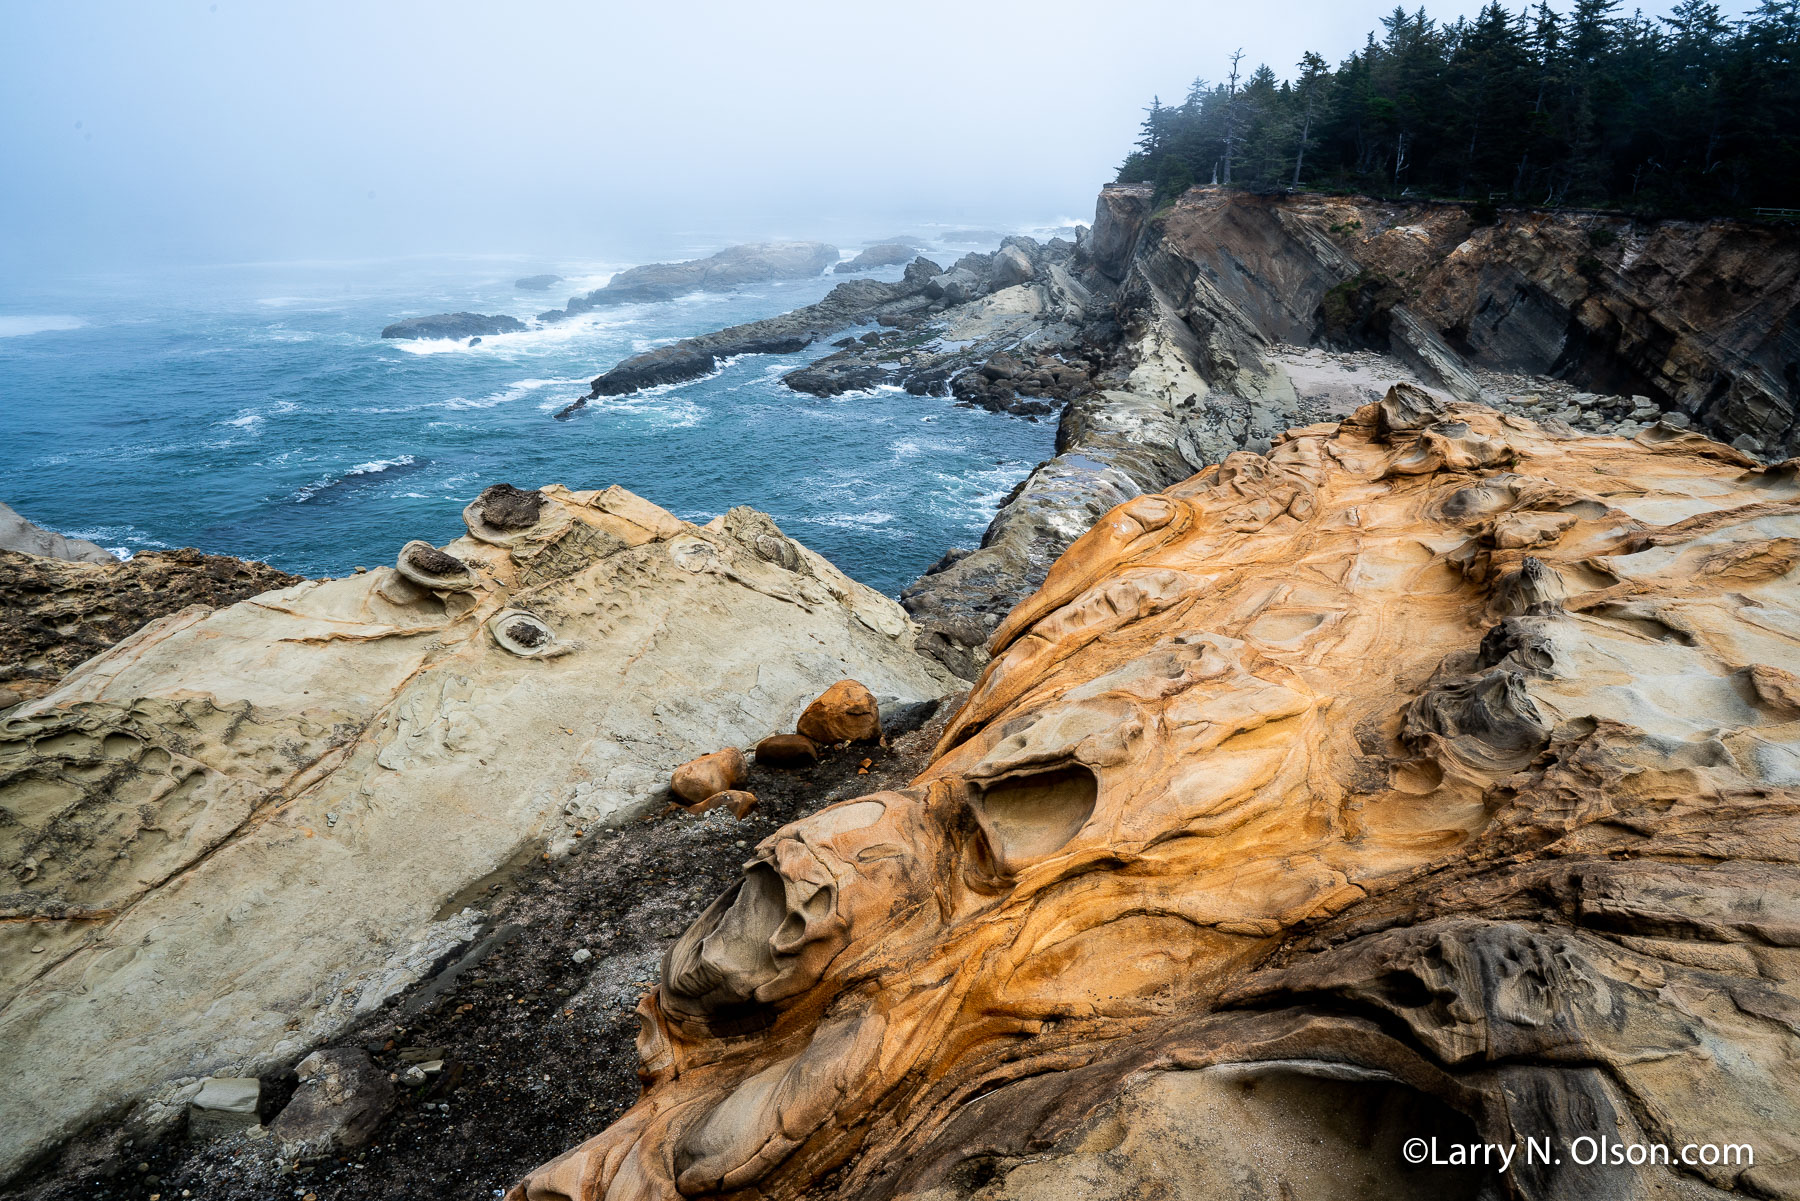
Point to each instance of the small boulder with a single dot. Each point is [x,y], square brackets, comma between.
[787,751]
[1012,267]
[735,799]
[847,712]
[698,779]
[224,1105]
[341,1100]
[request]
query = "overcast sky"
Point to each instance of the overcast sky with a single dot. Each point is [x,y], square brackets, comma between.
[170,130]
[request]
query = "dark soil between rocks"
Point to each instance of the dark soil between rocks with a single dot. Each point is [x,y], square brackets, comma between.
[539,1051]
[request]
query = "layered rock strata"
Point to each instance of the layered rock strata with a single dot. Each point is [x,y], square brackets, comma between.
[1700,318]
[1434,774]
[1190,310]
[238,830]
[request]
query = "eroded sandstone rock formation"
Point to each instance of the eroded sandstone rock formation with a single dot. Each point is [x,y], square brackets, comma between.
[236,831]
[1435,774]
[55,614]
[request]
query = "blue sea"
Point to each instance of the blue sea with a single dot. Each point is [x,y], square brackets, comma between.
[253,410]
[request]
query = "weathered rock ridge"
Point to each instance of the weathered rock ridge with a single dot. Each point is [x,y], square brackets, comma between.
[56,614]
[1434,774]
[938,327]
[241,829]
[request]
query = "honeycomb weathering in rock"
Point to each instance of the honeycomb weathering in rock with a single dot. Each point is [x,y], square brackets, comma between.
[1437,762]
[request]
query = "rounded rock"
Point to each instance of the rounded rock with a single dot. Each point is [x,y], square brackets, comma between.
[698,779]
[502,513]
[787,751]
[524,634]
[428,567]
[846,712]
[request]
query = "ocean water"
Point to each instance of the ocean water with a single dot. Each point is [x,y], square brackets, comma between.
[253,410]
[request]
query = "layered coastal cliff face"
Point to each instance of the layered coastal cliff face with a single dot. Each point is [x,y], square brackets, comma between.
[1702,318]
[1435,774]
[240,830]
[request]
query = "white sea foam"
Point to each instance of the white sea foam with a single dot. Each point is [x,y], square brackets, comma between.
[376,466]
[248,421]
[20,326]
[537,339]
[518,390]
[867,519]
[372,467]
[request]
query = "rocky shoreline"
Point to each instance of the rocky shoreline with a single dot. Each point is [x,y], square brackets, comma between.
[1202,410]
[1162,342]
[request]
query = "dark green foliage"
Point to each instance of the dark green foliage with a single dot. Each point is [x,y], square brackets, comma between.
[1691,113]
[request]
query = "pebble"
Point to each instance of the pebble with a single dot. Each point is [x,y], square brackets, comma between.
[582,955]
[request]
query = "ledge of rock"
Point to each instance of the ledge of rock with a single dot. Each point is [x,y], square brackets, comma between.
[256,824]
[56,614]
[1435,773]
[17,534]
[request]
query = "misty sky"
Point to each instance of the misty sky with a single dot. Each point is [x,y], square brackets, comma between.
[176,131]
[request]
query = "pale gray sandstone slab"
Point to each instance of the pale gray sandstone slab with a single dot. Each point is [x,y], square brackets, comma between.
[237,830]
[224,1105]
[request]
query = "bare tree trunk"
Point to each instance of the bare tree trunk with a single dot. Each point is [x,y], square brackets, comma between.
[1305,132]
[1231,113]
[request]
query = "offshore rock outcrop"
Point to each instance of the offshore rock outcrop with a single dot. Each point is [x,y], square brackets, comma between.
[455,325]
[854,302]
[887,254]
[942,332]
[733,267]
[239,830]
[1433,774]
